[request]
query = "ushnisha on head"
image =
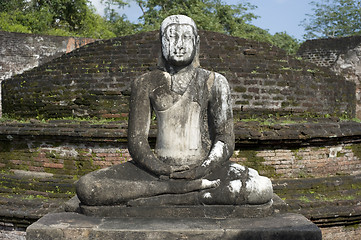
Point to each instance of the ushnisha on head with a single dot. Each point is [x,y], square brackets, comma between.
[179,40]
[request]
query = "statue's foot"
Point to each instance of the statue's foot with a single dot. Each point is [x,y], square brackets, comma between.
[205,183]
[241,186]
[258,188]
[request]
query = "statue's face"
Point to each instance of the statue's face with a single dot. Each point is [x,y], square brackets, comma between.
[179,44]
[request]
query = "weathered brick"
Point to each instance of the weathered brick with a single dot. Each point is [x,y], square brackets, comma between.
[95,81]
[53,165]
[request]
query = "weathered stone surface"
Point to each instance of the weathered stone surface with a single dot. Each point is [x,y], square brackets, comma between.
[75,226]
[22,51]
[195,138]
[342,55]
[328,202]
[217,211]
[179,211]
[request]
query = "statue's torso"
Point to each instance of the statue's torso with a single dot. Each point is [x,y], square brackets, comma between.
[180,118]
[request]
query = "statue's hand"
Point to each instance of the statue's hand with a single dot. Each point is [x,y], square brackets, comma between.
[194,173]
[210,184]
[181,168]
[166,174]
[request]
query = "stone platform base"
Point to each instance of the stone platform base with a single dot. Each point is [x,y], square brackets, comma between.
[214,211]
[57,226]
[277,205]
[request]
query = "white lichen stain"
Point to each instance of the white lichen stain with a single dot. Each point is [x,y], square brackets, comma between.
[224,90]
[235,186]
[259,188]
[216,153]
[334,151]
[207,195]
[66,151]
[60,225]
[236,169]
[209,184]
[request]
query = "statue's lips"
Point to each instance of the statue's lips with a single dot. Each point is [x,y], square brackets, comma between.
[180,54]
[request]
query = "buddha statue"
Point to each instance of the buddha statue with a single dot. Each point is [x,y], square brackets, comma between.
[190,162]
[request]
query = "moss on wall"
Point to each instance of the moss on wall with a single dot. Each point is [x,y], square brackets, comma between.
[250,159]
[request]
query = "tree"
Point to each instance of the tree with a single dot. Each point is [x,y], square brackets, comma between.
[208,14]
[117,23]
[286,42]
[54,17]
[110,5]
[213,15]
[78,18]
[333,18]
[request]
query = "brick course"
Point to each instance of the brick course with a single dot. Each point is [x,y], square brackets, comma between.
[94,81]
[75,148]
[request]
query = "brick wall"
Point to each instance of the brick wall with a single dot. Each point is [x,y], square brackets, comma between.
[341,55]
[63,158]
[306,162]
[62,147]
[75,148]
[94,80]
[324,52]
[21,51]
[55,153]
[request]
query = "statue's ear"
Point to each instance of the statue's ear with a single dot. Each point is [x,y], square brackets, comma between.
[198,40]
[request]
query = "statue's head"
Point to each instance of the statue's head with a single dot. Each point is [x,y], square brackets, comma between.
[179,40]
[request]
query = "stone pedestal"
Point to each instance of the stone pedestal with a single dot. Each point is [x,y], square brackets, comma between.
[59,226]
[174,222]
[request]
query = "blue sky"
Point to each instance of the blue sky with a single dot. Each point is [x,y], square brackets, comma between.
[274,15]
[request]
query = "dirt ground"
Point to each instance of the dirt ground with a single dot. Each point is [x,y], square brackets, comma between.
[12,235]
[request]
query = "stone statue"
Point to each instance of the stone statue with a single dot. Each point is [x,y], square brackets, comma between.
[190,163]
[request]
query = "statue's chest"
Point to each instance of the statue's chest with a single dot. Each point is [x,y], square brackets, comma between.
[163,98]
[171,92]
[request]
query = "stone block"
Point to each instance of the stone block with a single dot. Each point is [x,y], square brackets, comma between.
[59,226]
[277,205]
[177,222]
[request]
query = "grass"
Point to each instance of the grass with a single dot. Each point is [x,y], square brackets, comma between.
[94,120]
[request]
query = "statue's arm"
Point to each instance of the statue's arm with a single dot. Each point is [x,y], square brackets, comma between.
[221,120]
[138,129]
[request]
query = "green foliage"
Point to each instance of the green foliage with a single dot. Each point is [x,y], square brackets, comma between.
[109,11]
[118,24]
[214,15]
[208,14]
[286,42]
[78,18]
[9,23]
[95,26]
[333,18]
[55,17]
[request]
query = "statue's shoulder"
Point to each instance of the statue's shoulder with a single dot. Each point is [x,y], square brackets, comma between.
[216,75]
[212,78]
[151,77]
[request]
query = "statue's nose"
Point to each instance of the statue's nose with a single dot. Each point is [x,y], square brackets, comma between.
[179,44]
